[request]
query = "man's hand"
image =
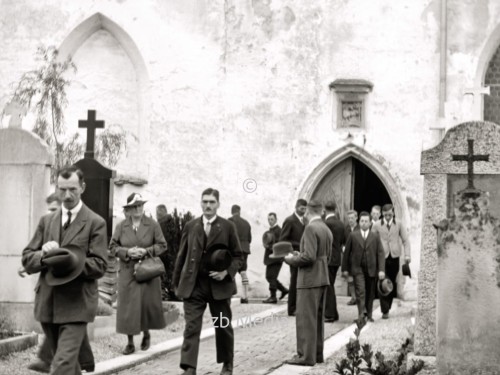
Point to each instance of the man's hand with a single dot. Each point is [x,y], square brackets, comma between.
[288,257]
[407,260]
[49,246]
[218,275]
[345,274]
[381,275]
[21,272]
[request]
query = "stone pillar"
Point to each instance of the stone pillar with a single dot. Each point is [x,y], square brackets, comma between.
[25,162]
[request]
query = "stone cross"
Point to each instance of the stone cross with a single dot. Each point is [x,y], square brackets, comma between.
[91,124]
[16,112]
[470,158]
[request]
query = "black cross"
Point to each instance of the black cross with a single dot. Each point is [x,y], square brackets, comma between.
[470,158]
[91,124]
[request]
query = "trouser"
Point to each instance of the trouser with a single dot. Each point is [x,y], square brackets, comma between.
[365,287]
[292,295]
[85,357]
[65,341]
[194,307]
[310,324]
[331,299]
[391,271]
[272,273]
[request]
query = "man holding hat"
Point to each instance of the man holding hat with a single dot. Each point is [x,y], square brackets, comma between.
[312,284]
[202,277]
[69,250]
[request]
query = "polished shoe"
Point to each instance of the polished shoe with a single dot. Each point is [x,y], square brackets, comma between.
[297,361]
[283,294]
[227,368]
[39,366]
[385,316]
[331,320]
[189,371]
[146,342]
[88,367]
[370,319]
[243,300]
[291,314]
[270,300]
[129,349]
[351,302]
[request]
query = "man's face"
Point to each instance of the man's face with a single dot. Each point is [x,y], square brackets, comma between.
[352,218]
[160,213]
[69,190]
[301,210]
[364,222]
[375,214]
[53,206]
[271,220]
[209,205]
[388,215]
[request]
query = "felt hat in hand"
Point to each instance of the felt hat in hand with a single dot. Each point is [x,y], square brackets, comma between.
[64,264]
[281,249]
[267,239]
[220,257]
[406,270]
[385,287]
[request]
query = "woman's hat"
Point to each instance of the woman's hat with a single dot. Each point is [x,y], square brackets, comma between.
[134,199]
[220,258]
[406,270]
[64,264]
[281,249]
[385,287]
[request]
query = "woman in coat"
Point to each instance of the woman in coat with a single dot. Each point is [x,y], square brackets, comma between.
[139,304]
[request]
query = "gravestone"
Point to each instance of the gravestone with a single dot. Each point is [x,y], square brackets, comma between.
[98,196]
[459,291]
[25,161]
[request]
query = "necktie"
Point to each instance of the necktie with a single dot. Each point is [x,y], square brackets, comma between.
[207,228]
[388,226]
[68,222]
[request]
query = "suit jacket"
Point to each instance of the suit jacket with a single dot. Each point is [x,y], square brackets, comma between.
[292,231]
[190,253]
[315,251]
[75,301]
[395,240]
[338,230]
[276,231]
[244,232]
[354,249]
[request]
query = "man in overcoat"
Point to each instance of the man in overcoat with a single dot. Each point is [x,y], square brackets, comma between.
[198,285]
[64,310]
[364,261]
[292,230]
[312,283]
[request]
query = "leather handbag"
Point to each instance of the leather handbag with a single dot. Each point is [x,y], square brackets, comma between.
[148,268]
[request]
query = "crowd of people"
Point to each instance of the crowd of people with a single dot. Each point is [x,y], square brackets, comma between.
[70,249]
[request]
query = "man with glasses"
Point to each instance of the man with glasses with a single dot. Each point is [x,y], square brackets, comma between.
[198,285]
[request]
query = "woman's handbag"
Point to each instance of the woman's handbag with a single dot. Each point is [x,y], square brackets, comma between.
[148,268]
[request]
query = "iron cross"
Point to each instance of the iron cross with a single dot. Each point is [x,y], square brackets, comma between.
[470,158]
[91,124]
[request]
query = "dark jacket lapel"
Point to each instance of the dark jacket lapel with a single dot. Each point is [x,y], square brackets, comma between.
[214,232]
[199,232]
[76,226]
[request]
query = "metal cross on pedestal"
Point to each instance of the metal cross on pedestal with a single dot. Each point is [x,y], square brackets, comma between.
[91,124]
[470,158]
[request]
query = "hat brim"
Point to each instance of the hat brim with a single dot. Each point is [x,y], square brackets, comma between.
[279,256]
[136,203]
[52,280]
[380,291]
[221,264]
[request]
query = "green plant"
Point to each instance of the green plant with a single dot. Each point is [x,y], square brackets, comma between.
[360,359]
[5,328]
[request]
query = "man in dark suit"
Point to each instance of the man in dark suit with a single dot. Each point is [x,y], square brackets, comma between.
[364,260]
[167,225]
[351,226]
[273,265]
[64,310]
[338,231]
[312,283]
[292,230]
[244,231]
[198,285]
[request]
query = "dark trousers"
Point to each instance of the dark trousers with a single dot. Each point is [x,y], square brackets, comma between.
[194,307]
[272,273]
[310,324]
[65,341]
[85,357]
[331,299]
[365,287]
[292,295]
[391,271]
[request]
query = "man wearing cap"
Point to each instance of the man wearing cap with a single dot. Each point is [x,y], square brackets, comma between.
[69,249]
[364,261]
[338,231]
[199,280]
[312,284]
[396,245]
[292,230]
[245,236]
